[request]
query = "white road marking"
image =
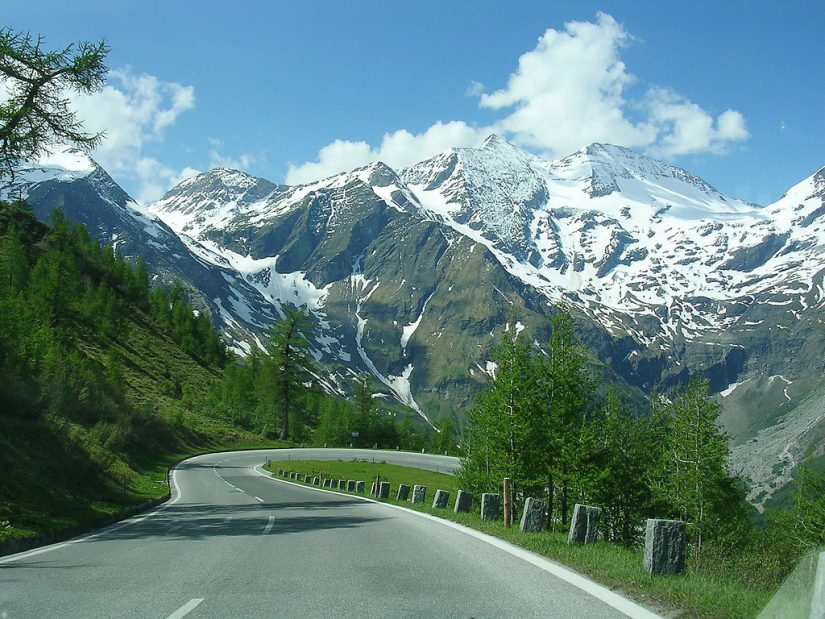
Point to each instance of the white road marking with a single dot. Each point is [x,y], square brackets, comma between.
[620,603]
[259,499]
[174,491]
[269,524]
[186,608]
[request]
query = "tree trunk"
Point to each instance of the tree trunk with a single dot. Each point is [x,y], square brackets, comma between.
[550,492]
[564,495]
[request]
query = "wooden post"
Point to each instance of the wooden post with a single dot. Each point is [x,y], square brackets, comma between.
[508,515]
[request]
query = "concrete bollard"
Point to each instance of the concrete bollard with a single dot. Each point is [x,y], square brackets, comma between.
[532,519]
[350,485]
[490,506]
[359,486]
[584,527]
[316,480]
[292,474]
[372,489]
[419,494]
[384,490]
[280,471]
[342,484]
[327,483]
[665,542]
[441,499]
[403,493]
[286,473]
[463,501]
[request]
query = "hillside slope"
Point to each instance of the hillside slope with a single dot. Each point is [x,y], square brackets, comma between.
[97,398]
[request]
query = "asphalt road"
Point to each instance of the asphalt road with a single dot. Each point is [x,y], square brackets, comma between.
[235,543]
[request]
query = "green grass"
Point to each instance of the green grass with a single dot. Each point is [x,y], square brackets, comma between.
[691,594]
[366,471]
[60,474]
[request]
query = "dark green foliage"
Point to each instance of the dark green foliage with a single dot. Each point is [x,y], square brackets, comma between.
[192,331]
[289,365]
[692,482]
[37,111]
[59,288]
[531,424]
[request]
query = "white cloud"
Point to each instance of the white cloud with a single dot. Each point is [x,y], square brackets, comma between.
[398,149]
[475,89]
[243,162]
[134,111]
[684,128]
[569,91]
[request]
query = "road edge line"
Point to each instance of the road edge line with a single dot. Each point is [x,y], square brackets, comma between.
[600,592]
[175,495]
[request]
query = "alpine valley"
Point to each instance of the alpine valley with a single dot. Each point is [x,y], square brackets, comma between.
[414,274]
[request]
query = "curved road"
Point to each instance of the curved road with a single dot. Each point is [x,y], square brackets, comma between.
[233,542]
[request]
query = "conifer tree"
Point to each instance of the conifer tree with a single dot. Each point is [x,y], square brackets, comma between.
[566,388]
[693,479]
[289,361]
[36,113]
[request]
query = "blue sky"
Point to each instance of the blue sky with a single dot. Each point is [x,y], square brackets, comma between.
[732,91]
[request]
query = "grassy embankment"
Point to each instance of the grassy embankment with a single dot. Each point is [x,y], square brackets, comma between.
[690,594]
[61,473]
[64,471]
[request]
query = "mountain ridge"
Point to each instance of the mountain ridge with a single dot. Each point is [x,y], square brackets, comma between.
[412,275]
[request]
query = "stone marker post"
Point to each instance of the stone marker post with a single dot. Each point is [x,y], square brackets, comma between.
[403,492]
[463,501]
[532,519]
[664,546]
[351,485]
[384,490]
[419,493]
[818,593]
[315,481]
[584,527]
[372,489]
[441,499]
[359,486]
[490,506]
[508,503]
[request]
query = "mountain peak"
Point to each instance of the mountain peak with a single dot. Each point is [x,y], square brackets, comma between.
[495,141]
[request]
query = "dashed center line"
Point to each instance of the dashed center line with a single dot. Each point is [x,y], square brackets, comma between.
[269,524]
[259,499]
[186,608]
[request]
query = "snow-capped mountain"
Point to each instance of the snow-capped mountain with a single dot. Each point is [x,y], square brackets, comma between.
[413,274]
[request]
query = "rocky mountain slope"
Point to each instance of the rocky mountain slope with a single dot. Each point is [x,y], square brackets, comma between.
[413,274]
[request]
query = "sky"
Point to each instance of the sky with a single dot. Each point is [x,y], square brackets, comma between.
[732,91]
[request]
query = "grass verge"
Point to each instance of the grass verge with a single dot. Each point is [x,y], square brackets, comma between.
[685,595]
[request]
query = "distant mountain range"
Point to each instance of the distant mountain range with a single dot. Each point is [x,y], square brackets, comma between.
[414,274]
